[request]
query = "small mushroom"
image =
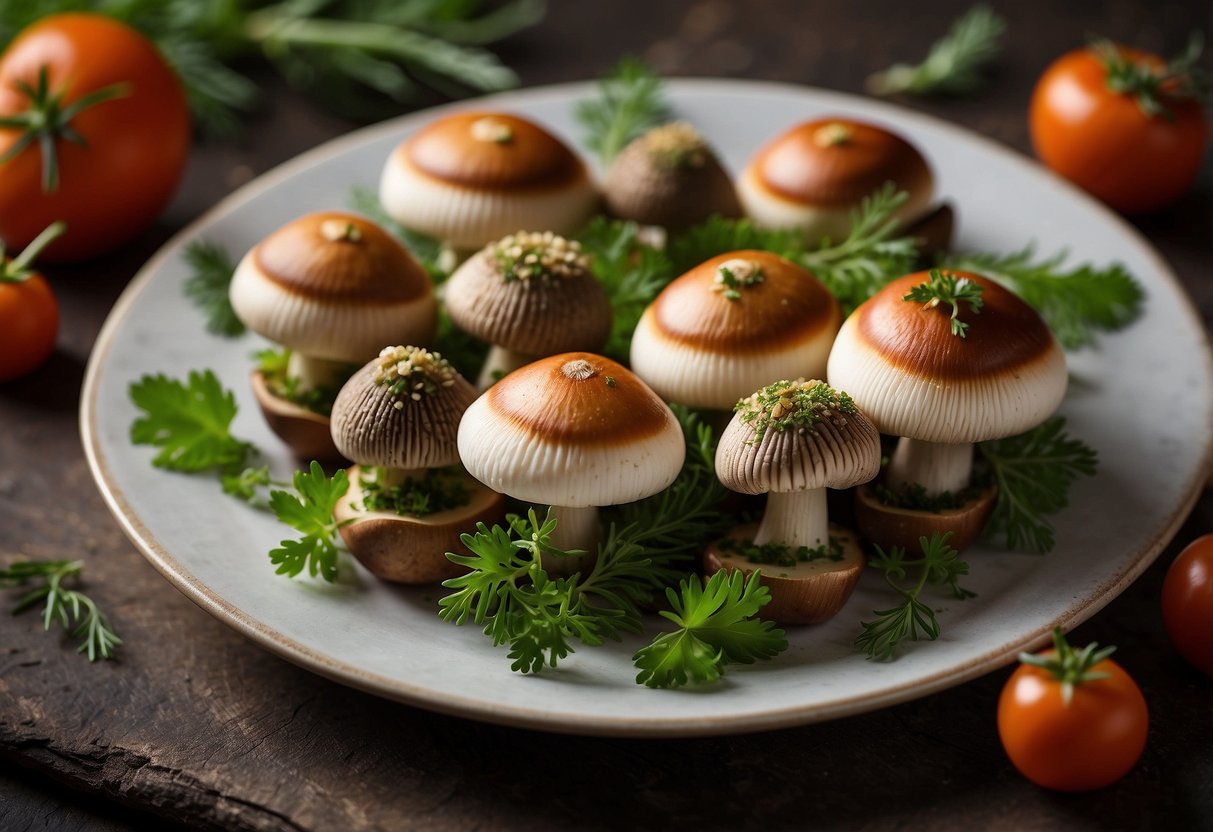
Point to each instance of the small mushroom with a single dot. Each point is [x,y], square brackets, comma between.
[397,418]
[815,174]
[471,178]
[905,366]
[333,288]
[669,177]
[572,431]
[731,325]
[530,295]
[795,439]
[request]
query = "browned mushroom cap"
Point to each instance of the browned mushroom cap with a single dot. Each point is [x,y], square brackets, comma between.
[671,178]
[813,175]
[470,178]
[906,370]
[797,436]
[402,410]
[334,286]
[574,430]
[530,293]
[731,325]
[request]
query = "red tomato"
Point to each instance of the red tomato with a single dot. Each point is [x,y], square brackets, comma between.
[1087,743]
[1187,603]
[1103,141]
[116,183]
[29,315]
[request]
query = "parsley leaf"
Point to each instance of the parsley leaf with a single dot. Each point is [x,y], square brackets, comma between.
[1034,471]
[630,101]
[942,287]
[311,512]
[718,235]
[939,565]
[75,611]
[716,626]
[954,62]
[208,287]
[190,423]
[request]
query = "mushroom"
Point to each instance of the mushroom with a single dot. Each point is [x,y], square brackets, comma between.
[732,324]
[669,177]
[332,288]
[794,439]
[397,418]
[573,431]
[943,377]
[471,178]
[812,176]
[529,295]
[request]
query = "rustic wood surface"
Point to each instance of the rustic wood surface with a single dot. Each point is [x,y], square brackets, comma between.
[195,725]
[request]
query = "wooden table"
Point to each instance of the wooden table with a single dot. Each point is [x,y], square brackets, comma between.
[195,725]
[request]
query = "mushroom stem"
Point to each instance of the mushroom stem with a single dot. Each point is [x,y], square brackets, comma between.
[795,518]
[576,528]
[500,361]
[388,477]
[313,372]
[936,466]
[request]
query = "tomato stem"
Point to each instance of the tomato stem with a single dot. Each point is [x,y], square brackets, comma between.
[1068,666]
[1180,79]
[20,268]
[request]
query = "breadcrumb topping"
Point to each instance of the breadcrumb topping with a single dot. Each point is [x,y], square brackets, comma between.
[535,255]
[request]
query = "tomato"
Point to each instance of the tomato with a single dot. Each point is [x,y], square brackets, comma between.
[1103,140]
[29,314]
[1086,743]
[1187,603]
[115,183]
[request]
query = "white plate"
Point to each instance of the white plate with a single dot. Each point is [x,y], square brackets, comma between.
[1142,400]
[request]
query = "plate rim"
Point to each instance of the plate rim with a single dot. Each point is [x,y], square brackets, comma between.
[632,725]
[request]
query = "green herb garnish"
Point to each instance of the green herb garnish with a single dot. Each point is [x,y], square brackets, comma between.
[434,491]
[208,286]
[954,62]
[717,235]
[717,625]
[311,512]
[944,287]
[782,554]
[735,275]
[273,365]
[630,101]
[792,405]
[914,497]
[190,422]
[939,566]
[76,612]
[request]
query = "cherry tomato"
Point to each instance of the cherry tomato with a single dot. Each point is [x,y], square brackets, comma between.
[1085,743]
[29,314]
[115,181]
[1187,603]
[1105,142]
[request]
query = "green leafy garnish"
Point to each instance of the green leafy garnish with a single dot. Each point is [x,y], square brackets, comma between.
[273,364]
[76,612]
[954,62]
[246,484]
[791,405]
[208,287]
[1181,79]
[190,422]
[630,101]
[1075,303]
[938,566]
[718,235]
[1068,666]
[717,625]
[915,497]
[310,512]
[1034,472]
[434,491]
[944,287]
[773,553]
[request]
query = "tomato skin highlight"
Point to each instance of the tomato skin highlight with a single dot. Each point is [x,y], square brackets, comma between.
[1090,743]
[1187,603]
[114,186]
[29,325]
[1101,140]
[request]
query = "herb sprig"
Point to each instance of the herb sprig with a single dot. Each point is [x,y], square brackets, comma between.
[630,101]
[208,285]
[310,511]
[954,63]
[939,565]
[945,287]
[72,609]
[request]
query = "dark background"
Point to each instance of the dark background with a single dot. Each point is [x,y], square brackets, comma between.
[195,725]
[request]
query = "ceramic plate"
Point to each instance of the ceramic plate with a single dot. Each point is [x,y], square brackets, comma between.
[1142,399]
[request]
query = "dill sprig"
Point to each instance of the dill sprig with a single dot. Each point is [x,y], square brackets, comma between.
[1181,79]
[954,63]
[76,612]
[630,101]
[938,565]
[945,287]
[208,286]
[1077,303]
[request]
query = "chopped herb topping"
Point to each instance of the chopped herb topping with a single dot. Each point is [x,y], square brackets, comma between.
[318,399]
[531,255]
[438,490]
[610,381]
[914,497]
[782,554]
[412,372]
[676,146]
[489,129]
[945,287]
[736,274]
[795,404]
